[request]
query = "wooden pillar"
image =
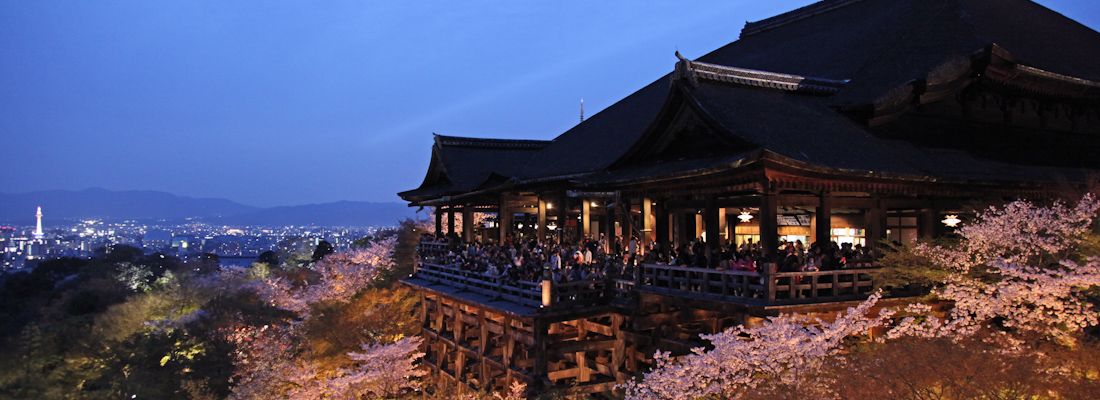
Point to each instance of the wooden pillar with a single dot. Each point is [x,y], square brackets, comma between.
[584,373]
[484,375]
[541,334]
[460,342]
[450,220]
[823,219]
[438,221]
[586,218]
[468,223]
[688,233]
[540,228]
[610,217]
[661,228]
[504,219]
[710,214]
[563,216]
[723,226]
[929,223]
[648,230]
[627,219]
[508,352]
[876,224]
[769,227]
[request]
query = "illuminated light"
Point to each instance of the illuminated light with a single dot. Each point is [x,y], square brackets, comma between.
[745,216]
[549,206]
[594,204]
[952,220]
[520,225]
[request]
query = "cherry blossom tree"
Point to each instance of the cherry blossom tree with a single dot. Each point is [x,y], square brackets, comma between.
[1016,273]
[382,371]
[742,357]
[1015,265]
[340,276]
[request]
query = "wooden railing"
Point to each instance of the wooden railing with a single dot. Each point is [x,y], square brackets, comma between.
[769,287]
[545,294]
[739,284]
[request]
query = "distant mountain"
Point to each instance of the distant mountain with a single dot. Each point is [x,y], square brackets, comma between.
[110,204]
[70,205]
[342,213]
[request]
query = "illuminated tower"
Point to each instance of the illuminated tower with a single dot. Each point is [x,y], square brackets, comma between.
[38,228]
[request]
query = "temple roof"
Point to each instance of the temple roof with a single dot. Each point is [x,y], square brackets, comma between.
[874,46]
[810,132]
[792,85]
[462,164]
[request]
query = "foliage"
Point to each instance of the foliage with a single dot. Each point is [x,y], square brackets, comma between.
[126,324]
[905,271]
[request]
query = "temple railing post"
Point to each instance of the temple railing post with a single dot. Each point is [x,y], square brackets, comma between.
[769,280]
[548,294]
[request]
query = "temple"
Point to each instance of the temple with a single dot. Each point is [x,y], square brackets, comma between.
[856,123]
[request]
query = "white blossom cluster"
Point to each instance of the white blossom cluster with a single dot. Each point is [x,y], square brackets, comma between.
[341,276]
[1025,281]
[743,357]
[1011,268]
[384,370]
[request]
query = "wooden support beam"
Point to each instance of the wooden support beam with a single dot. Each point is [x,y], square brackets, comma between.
[450,220]
[618,350]
[504,220]
[540,227]
[586,218]
[627,218]
[823,226]
[769,226]
[610,217]
[876,224]
[929,223]
[582,345]
[438,221]
[468,223]
[509,350]
[687,234]
[563,216]
[711,224]
[581,354]
[648,220]
[661,234]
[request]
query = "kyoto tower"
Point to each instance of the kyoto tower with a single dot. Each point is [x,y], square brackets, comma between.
[38,228]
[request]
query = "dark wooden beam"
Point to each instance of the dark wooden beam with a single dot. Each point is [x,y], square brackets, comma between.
[713,237]
[823,219]
[769,227]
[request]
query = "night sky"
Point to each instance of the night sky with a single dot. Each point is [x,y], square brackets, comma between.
[302,102]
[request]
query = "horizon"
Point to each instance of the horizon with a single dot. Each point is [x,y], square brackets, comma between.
[277,104]
[271,104]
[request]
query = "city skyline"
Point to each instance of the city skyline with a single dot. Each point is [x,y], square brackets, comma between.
[214,100]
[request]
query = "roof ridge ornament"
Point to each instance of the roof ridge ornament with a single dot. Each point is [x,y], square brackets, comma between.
[693,71]
[684,70]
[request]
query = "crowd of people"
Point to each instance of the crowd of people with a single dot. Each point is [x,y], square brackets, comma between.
[597,258]
[792,256]
[530,260]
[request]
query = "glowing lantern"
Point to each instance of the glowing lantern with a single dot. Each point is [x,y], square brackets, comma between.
[745,216]
[952,220]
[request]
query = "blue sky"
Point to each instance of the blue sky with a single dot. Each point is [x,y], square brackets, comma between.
[272,103]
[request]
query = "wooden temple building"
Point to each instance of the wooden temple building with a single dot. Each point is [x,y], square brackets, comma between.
[853,121]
